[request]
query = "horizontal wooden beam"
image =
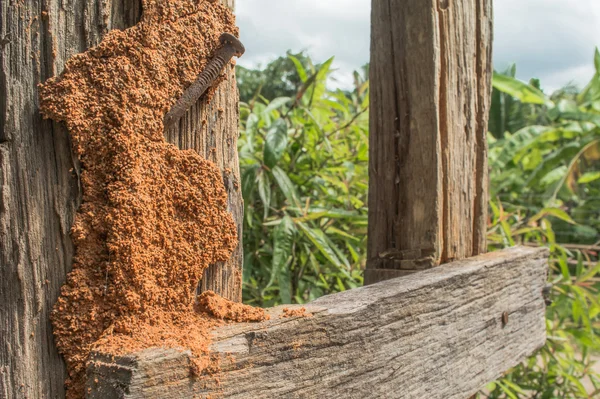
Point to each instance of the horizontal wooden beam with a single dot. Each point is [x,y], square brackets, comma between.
[442,333]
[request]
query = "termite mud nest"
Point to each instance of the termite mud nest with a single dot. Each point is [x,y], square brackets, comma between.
[153,217]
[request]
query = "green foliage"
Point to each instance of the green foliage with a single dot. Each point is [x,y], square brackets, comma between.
[554,163]
[304,181]
[508,113]
[304,161]
[544,189]
[572,322]
[280,78]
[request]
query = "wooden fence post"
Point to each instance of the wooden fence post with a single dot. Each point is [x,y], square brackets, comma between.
[430,97]
[211,129]
[39,186]
[39,189]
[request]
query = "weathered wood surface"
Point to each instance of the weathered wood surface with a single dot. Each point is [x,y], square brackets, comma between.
[430,96]
[212,129]
[438,334]
[39,190]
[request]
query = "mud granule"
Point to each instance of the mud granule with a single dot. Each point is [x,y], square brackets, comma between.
[153,217]
[298,312]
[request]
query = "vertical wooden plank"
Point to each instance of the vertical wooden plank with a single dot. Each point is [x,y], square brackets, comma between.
[430,96]
[211,129]
[39,190]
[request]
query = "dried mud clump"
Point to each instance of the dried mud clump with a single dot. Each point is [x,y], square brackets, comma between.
[153,216]
[223,309]
[295,312]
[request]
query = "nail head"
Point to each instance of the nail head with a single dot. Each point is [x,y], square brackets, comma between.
[228,38]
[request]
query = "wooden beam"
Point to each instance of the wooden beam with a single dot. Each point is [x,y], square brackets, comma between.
[430,98]
[443,333]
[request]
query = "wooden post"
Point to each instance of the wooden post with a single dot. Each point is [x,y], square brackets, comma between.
[39,186]
[211,129]
[39,189]
[430,96]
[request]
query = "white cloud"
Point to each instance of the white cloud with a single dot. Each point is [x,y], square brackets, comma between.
[549,39]
[577,75]
[324,28]
[552,40]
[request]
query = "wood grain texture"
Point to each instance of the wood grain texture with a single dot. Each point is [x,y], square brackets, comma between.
[430,96]
[39,185]
[211,128]
[438,334]
[39,189]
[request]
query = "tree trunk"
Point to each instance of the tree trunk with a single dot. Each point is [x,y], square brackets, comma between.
[39,186]
[430,97]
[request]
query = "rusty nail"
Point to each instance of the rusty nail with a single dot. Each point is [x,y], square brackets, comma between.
[504,319]
[547,294]
[230,46]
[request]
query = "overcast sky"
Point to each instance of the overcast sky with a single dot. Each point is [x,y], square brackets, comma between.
[552,40]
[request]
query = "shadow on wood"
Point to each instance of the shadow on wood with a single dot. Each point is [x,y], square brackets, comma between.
[443,333]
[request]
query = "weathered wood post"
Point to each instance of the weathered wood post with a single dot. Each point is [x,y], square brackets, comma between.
[211,129]
[430,97]
[39,186]
[39,190]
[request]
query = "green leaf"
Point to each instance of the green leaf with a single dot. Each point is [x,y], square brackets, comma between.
[514,387]
[507,390]
[276,103]
[317,237]
[517,142]
[341,256]
[581,117]
[556,212]
[564,269]
[310,216]
[252,122]
[589,177]
[286,186]
[249,181]
[275,142]
[590,273]
[575,382]
[343,234]
[299,68]
[561,156]
[320,87]
[283,239]
[314,213]
[324,68]
[264,191]
[523,92]
[591,93]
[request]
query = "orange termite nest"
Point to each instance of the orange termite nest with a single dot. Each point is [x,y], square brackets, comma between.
[297,312]
[153,216]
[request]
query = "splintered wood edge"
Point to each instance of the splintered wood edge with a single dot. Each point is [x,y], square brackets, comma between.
[442,333]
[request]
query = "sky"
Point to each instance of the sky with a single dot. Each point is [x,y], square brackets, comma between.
[552,40]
